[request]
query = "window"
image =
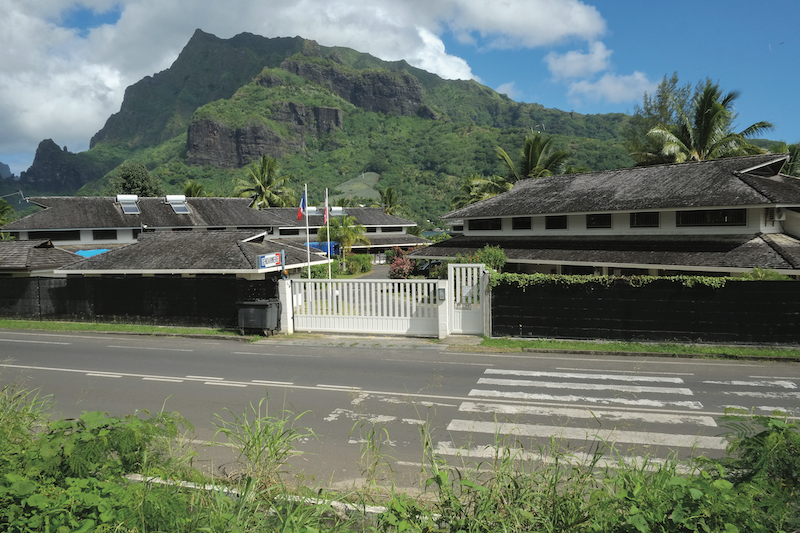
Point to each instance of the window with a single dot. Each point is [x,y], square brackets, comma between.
[104,235]
[290,232]
[711,217]
[485,224]
[521,223]
[68,235]
[646,219]
[555,222]
[372,229]
[598,221]
[392,229]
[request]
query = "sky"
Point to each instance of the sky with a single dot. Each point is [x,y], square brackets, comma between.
[65,64]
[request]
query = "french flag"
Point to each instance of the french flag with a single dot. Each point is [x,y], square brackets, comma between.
[301,211]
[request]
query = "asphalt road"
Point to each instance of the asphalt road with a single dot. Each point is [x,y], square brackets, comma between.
[361,396]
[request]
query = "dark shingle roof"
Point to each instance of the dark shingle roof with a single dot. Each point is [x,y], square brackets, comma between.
[775,251]
[74,212]
[192,250]
[33,255]
[685,185]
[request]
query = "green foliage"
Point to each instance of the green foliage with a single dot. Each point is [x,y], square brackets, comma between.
[359,263]
[493,257]
[537,159]
[699,131]
[321,271]
[7,212]
[264,442]
[765,274]
[345,231]
[530,280]
[133,178]
[266,186]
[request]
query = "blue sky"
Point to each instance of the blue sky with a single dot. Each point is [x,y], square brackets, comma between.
[66,63]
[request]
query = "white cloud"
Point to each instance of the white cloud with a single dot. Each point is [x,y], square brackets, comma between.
[63,83]
[509,89]
[524,23]
[576,64]
[612,88]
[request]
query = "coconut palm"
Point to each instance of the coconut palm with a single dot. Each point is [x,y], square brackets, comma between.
[6,212]
[390,201]
[707,134]
[192,189]
[538,159]
[346,231]
[266,186]
[475,188]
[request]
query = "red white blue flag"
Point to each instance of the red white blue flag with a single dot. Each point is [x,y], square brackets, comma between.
[325,215]
[301,211]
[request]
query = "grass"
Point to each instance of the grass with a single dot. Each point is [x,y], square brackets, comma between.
[118,328]
[507,344]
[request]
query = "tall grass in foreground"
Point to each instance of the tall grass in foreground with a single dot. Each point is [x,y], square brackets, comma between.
[74,475]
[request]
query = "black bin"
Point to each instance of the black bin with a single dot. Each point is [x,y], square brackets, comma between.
[259,315]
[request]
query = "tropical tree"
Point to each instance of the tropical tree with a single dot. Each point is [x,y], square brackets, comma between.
[390,201]
[6,212]
[266,186]
[133,178]
[537,159]
[193,189]
[475,188]
[706,133]
[346,231]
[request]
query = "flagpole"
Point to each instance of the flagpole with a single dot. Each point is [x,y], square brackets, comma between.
[328,232]
[308,245]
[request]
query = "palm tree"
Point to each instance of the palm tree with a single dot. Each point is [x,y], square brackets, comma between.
[475,188]
[707,134]
[390,201]
[537,160]
[346,231]
[6,212]
[192,189]
[266,186]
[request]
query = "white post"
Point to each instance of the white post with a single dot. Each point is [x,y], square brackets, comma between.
[287,306]
[443,307]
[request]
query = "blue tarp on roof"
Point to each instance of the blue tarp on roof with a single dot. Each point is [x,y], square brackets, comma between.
[90,253]
[329,247]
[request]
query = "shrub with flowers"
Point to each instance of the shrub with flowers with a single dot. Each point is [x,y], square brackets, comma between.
[401,268]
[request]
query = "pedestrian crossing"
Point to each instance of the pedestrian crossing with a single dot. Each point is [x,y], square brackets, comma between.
[639,416]
[649,413]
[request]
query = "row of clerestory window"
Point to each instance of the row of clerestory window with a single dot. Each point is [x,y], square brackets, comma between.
[639,219]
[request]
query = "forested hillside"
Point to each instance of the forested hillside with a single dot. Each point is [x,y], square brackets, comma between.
[327,114]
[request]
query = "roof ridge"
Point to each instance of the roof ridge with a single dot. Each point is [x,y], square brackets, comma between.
[744,178]
[778,249]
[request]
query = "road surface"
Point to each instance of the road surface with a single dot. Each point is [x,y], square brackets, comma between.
[361,397]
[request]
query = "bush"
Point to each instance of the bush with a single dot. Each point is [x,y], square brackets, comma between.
[359,263]
[493,257]
[401,268]
[321,271]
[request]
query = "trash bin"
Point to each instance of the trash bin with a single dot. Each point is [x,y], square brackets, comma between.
[259,316]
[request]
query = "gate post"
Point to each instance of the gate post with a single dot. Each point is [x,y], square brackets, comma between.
[443,307]
[287,306]
[486,283]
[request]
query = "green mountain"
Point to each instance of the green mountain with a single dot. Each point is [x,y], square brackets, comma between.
[329,114]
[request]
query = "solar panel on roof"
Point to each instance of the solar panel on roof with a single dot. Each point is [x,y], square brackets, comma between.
[178,203]
[128,203]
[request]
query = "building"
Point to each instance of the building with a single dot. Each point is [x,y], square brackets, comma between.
[720,217]
[74,222]
[32,258]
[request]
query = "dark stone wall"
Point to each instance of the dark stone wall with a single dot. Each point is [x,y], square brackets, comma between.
[739,312]
[201,301]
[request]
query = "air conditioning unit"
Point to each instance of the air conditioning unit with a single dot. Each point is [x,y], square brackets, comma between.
[775,214]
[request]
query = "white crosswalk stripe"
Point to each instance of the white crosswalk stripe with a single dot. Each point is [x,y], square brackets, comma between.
[583,386]
[586,413]
[574,398]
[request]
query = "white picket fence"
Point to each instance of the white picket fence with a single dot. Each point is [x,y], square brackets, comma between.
[402,307]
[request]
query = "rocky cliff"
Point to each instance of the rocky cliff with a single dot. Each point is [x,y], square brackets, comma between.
[56,170]
[212,143]
[5,171]
[392,93]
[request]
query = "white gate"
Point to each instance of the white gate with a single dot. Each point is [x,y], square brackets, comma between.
[466,301]
[401,307]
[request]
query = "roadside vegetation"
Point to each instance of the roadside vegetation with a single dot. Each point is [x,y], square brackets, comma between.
[100,473]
